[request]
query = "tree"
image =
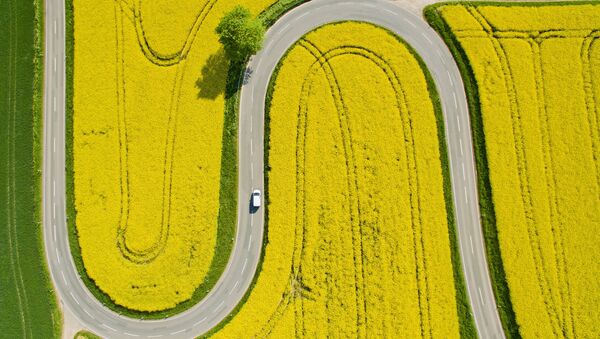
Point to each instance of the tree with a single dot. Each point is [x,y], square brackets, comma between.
[240,33]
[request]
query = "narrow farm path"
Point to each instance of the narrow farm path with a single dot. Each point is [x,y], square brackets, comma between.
[244,259]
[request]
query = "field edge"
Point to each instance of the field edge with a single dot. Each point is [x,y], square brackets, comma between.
[486,206]
[227,201]
[465,317]
[38,157]
[22,249]
[227,215]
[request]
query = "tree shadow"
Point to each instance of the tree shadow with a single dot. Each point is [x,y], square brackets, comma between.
[213,76]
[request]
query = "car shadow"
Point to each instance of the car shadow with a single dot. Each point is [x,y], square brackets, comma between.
[251,208]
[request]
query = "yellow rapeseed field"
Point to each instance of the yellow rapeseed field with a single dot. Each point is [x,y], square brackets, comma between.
[148,122]
[537,70]
[358,242]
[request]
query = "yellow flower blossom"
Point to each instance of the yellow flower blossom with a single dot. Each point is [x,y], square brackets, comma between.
[357,228]
[149,78]
[537,73]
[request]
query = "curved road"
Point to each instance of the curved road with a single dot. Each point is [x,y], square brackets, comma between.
[242,264]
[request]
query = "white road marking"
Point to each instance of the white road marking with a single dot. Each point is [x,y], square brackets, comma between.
[218,308]
[458,123]
[54,26]
[302,16]
[198,322]
[244,267]
[259,63]
[54,104]
[455,102]
[268,46]
[54,231]
[284,27]
[463,170]
[251,148]
[410,23]
[390,11]
[236,284]
[177,332]
[63,276]
[480,296]
[110,328]
[471,240]
[131,334]
[73,296]
[439,54]
[249,243]
[54,145]
[450,78]
[251,124]
[466,198]
[54,211]
[461,147]
[427,38]
[88,313]
[57,257]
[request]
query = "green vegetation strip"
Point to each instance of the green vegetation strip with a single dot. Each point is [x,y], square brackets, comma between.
[466,323]
[29,308]
[227,198]
[86,335]
[486,206]
[228,185]
[465,317]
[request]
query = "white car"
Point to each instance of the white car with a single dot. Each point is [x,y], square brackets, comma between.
[256,198]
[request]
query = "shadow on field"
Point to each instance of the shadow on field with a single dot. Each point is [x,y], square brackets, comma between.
[213,76]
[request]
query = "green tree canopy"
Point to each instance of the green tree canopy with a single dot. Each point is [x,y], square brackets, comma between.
[241,34]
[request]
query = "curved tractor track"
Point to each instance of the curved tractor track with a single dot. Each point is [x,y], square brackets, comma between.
[246,253]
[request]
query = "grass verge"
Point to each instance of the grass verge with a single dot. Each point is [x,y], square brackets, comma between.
[86,335]
[228,185]
[232,94]
[465,317]
[466,323]
[486,206]
[26,294]
[227,200]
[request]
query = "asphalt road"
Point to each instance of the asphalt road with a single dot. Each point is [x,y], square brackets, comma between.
[242,265]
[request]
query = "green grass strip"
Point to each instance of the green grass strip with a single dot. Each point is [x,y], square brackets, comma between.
[466,324]
[486,206]
[227,199]
[227,217]
[29,307]
[86,335]
[465,317]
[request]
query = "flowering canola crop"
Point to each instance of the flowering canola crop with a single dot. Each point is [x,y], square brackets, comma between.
[357,241]
[147,133]
[537,70]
